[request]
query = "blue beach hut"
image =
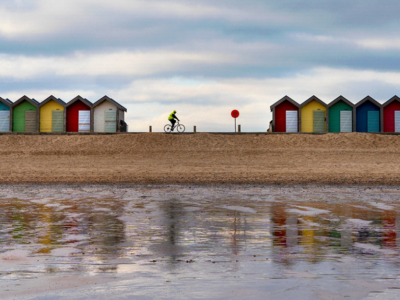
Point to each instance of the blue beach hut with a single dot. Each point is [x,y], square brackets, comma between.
[367,114]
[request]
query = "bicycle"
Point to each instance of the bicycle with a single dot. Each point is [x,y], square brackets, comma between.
[179,127]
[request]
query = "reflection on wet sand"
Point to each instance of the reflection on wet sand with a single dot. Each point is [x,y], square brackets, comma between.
[314,230]
[269,239]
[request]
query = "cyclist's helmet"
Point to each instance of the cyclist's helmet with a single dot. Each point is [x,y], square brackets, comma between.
[174,111]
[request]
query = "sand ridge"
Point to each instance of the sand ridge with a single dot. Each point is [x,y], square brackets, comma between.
[202,158]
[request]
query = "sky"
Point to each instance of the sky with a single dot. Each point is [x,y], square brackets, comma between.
[200,58]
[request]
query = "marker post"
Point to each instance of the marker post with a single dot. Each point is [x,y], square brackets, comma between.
[235,114]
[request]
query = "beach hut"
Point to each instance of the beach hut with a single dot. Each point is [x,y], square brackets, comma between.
[390,115]
[313,115]
[106,115]
[51,115]
[5,116]
[340,115]
[285,115]
[367,114]
[78,112]
[25,115]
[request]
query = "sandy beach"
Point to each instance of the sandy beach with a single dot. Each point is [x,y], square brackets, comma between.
[202,158]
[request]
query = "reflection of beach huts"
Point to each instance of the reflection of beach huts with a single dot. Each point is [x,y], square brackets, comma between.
[51,112]
[25,115]
[107,114]
[78,112]
[390,115]
[285,115]
[5,116]
[312,115]
[340,115]
[367,115]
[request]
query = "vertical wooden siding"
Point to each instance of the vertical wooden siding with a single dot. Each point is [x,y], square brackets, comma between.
[362,115]
[4,119]
[98,116]
[46,115]
[334,115]
[307,120]
[19,115]
[388,116]
[280,115]
[30,121]
[73,115]
[57,121]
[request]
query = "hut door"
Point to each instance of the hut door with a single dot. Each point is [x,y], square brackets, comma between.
[57,121]
[397,121]
[291,121]
[318,121]
[30,121]
[4,121]
[110,118]
[373,121]
[84,121]
[345,121]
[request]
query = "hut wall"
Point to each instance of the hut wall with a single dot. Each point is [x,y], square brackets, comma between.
[388,116]
[46,116]
[280,115]
[3,106]
[307,119]
[4,120]
[362,115]
[334,115]
[98,116]
[73,115]
[19,115]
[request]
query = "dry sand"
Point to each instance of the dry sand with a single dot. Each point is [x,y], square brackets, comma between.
[202,158]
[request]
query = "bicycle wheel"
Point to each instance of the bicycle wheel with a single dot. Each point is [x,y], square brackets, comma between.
[181,128]
[167,128]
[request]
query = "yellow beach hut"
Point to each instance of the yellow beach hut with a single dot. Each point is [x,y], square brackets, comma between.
[313,115]
[52,115]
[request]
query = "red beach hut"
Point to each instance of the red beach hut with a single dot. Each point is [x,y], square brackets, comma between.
[391,115]
[78,112]
[285,115]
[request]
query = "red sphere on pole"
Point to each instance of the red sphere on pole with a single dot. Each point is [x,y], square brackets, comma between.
[235,113]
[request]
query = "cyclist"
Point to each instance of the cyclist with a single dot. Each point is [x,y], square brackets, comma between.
[172,118]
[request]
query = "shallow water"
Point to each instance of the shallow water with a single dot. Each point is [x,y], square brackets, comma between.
[199,243]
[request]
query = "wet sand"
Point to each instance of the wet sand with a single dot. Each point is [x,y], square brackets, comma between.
[191,242]
[202,158]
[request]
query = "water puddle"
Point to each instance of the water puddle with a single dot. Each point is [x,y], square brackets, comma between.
[206,243]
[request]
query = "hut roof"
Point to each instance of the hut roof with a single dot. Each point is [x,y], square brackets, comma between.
[370,99]
[313,98]
[286,98]
[338,99]
[52,98]
[106,98]
[79,98]
[25,98]
[7,102]
[394,98]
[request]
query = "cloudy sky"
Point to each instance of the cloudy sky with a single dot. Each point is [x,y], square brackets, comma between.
[202,58]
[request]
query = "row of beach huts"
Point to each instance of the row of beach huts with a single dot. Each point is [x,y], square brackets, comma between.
[340,115]
[55,115]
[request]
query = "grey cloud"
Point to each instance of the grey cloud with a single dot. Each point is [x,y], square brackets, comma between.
[268,39]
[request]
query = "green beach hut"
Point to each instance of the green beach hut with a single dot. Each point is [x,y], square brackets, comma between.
[340,115]
[25,115]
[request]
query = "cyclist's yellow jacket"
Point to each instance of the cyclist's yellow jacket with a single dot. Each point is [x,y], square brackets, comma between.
[172,116]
